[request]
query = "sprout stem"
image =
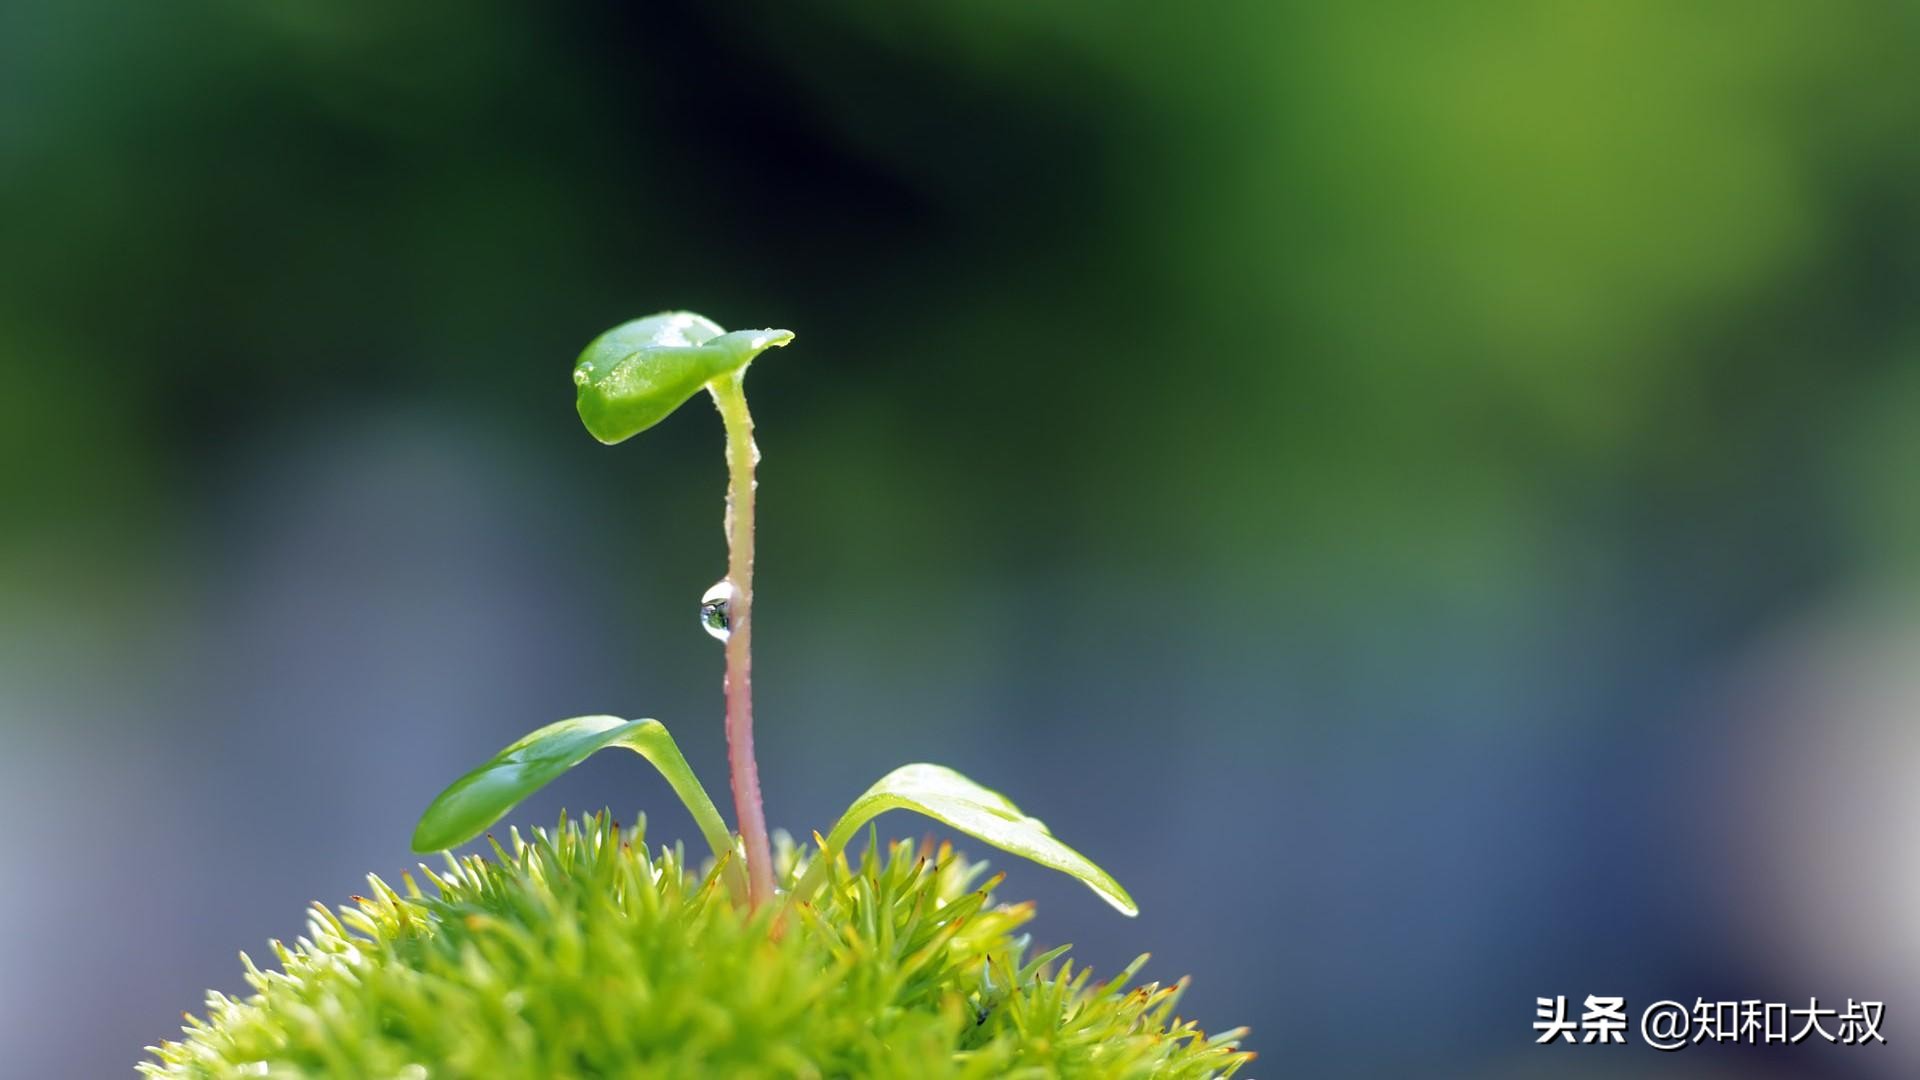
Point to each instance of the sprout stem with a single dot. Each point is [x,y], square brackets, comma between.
[729,394]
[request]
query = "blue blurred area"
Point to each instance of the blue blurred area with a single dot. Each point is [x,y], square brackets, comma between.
[1427,496]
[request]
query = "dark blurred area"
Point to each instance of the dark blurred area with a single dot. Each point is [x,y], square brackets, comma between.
[1426,496]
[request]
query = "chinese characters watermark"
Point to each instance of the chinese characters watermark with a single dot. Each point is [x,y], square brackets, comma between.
[1673,1025]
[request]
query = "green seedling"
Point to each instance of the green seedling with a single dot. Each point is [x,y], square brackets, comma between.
[580,952]
[629,379]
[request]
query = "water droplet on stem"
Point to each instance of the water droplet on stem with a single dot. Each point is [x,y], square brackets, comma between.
[714,617]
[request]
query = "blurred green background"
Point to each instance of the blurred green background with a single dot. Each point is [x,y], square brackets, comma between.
[1426,494]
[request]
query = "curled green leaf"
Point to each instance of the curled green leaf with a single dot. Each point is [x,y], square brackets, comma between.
[634,375]
[947,796]
[481,797]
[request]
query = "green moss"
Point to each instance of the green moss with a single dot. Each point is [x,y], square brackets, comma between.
[579,953]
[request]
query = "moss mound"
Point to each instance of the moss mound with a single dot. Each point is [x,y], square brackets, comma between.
[580,953]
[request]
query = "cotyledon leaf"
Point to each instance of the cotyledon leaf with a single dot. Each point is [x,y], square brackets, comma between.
[947,796]
[481,797]
[634,375]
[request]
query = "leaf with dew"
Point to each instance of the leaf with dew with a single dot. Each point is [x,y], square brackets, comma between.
[636,374]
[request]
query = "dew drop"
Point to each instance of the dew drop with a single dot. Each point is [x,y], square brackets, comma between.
[713,609]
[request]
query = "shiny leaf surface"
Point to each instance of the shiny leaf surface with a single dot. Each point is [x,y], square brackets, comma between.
[481,797]
[947,796]
[636,374]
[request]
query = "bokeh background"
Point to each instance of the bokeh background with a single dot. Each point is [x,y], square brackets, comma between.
[1425,494]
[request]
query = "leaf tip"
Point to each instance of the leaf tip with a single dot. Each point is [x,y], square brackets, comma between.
[426,840]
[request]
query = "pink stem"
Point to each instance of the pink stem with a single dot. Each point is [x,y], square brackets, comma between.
[742,455]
